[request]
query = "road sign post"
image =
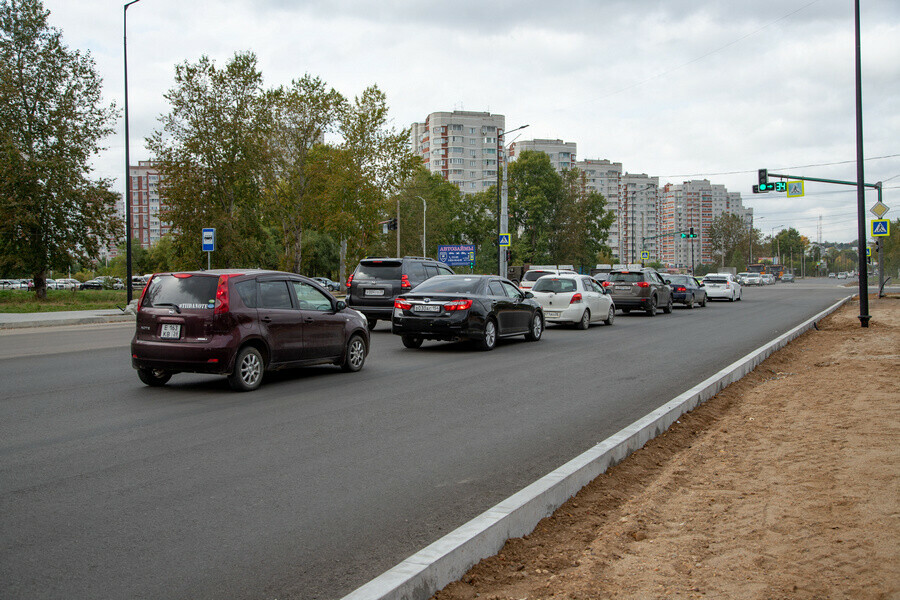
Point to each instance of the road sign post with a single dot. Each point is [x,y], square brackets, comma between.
[208,243]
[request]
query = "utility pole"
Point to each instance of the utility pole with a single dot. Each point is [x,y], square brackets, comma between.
[860,187]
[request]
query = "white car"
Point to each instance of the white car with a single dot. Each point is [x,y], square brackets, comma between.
[768,279]
[752,279]
[533,275]
[573,298]
[722,285]
[67,284]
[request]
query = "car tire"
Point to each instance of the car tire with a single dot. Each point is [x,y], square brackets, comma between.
[154,377]
[691,303]
[611,317]
[732,297]
[668,307]
[585,321]
[740,296]
[489,341]
[355,354]
[372,323]
[411,341]
[537,328]
[651,309]
[703,302]
[248,370]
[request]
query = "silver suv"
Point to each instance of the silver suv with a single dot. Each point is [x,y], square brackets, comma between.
[643,289]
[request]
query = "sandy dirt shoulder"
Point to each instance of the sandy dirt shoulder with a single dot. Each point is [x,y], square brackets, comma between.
[785,485]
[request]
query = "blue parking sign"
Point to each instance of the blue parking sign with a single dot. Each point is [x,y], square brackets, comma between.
[209,239]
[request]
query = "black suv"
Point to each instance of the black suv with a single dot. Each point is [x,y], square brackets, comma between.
[376,282]
[644,289]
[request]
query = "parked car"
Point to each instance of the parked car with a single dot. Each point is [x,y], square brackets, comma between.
[103,283]
[644,289]
[481,308]
[787,278]
[533,275]
[328,284]
[686,290]
[574,299]
[67,284]
[241,323]
[9,284]
[832,275]
[722,285]
[842,275]
[376,282]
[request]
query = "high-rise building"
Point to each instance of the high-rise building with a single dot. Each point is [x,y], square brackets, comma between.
[637,217]
[605,177]
[146,204]
[562,154]
[461,146]
[693,204]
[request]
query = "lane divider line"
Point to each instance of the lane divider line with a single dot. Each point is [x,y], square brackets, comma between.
[449,558]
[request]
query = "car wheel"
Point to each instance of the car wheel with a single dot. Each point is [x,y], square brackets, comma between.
[691,303]
[668,307]
[154,377]
[372,323]
[651,308]
[732,297]
[740,296]
[585,321]
[248,370]
[490,336]
[611,316]
[703,302]
[537,328]
[411,341]
[355,356]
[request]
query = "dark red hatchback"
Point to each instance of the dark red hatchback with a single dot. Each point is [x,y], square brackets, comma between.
[241,323]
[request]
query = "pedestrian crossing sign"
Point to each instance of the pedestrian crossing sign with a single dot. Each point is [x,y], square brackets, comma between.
[504,239]
[881,228]
[645,255]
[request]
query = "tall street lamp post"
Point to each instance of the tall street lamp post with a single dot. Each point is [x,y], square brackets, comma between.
[424,223]
[502,200]
[127,157]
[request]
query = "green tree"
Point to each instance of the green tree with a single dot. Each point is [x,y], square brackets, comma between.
[891,251]
[51,122]
[301,115]
[212,153]
[581,223]
[728,237]
[535,192]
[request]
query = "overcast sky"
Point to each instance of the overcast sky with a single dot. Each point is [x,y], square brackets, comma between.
[680,89]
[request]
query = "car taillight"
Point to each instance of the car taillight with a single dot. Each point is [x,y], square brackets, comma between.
[402,304]
[458,305]
[727,285]
[181,275]
[222,306]
[576,298]
[607,283]
[404,282]
[349,280]
[144,291]
[680,288]
[642,284]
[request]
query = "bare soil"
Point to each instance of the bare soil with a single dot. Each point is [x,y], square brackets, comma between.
[783,486]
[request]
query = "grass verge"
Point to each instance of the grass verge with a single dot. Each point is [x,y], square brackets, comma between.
[20,301]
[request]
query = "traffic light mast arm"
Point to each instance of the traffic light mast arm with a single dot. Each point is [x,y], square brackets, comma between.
[836,181]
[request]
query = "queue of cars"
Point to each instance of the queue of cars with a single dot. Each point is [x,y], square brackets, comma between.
[241,323]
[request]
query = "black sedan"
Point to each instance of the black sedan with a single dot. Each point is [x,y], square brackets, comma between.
[481,308]
[686,290]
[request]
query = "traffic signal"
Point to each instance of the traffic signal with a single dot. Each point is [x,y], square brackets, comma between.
[692,234]
[508,255]
[763,177]
[392,224]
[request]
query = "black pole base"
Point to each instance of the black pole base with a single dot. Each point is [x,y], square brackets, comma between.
[864,320]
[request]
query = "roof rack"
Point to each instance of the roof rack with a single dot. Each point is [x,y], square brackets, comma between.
[419,257]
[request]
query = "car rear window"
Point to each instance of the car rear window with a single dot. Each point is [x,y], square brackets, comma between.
[535,275]
[449,284]
[194,291]
[553,284]
[626,277]
[716,279]
[682,279]
[377,270]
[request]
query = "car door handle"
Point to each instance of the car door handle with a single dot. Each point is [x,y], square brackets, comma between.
[308,320]
[266,319]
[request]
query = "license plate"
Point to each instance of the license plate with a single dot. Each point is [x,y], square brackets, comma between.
[170,331]
[552,315]
[623,288]
[374,292]
[426,308]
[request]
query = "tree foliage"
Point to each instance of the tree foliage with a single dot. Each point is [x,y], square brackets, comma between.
[51,122]
[728,239]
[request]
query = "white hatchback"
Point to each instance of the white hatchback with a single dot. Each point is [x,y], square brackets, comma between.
[573,298]
[722,285]
[533,275]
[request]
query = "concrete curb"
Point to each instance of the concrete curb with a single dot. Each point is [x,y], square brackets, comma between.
[66,321]
[446,560]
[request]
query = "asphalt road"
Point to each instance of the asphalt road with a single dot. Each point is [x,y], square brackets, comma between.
[320,480]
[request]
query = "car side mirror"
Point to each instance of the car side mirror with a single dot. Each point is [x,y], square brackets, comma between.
[341,305]
[529,295]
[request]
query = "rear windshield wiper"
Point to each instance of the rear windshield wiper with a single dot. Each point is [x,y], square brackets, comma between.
[175,306]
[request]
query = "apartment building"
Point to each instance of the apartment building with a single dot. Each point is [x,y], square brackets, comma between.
[637,217]
[604,177]
[461,146]
[146,204]
[693,204]
[562,154]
